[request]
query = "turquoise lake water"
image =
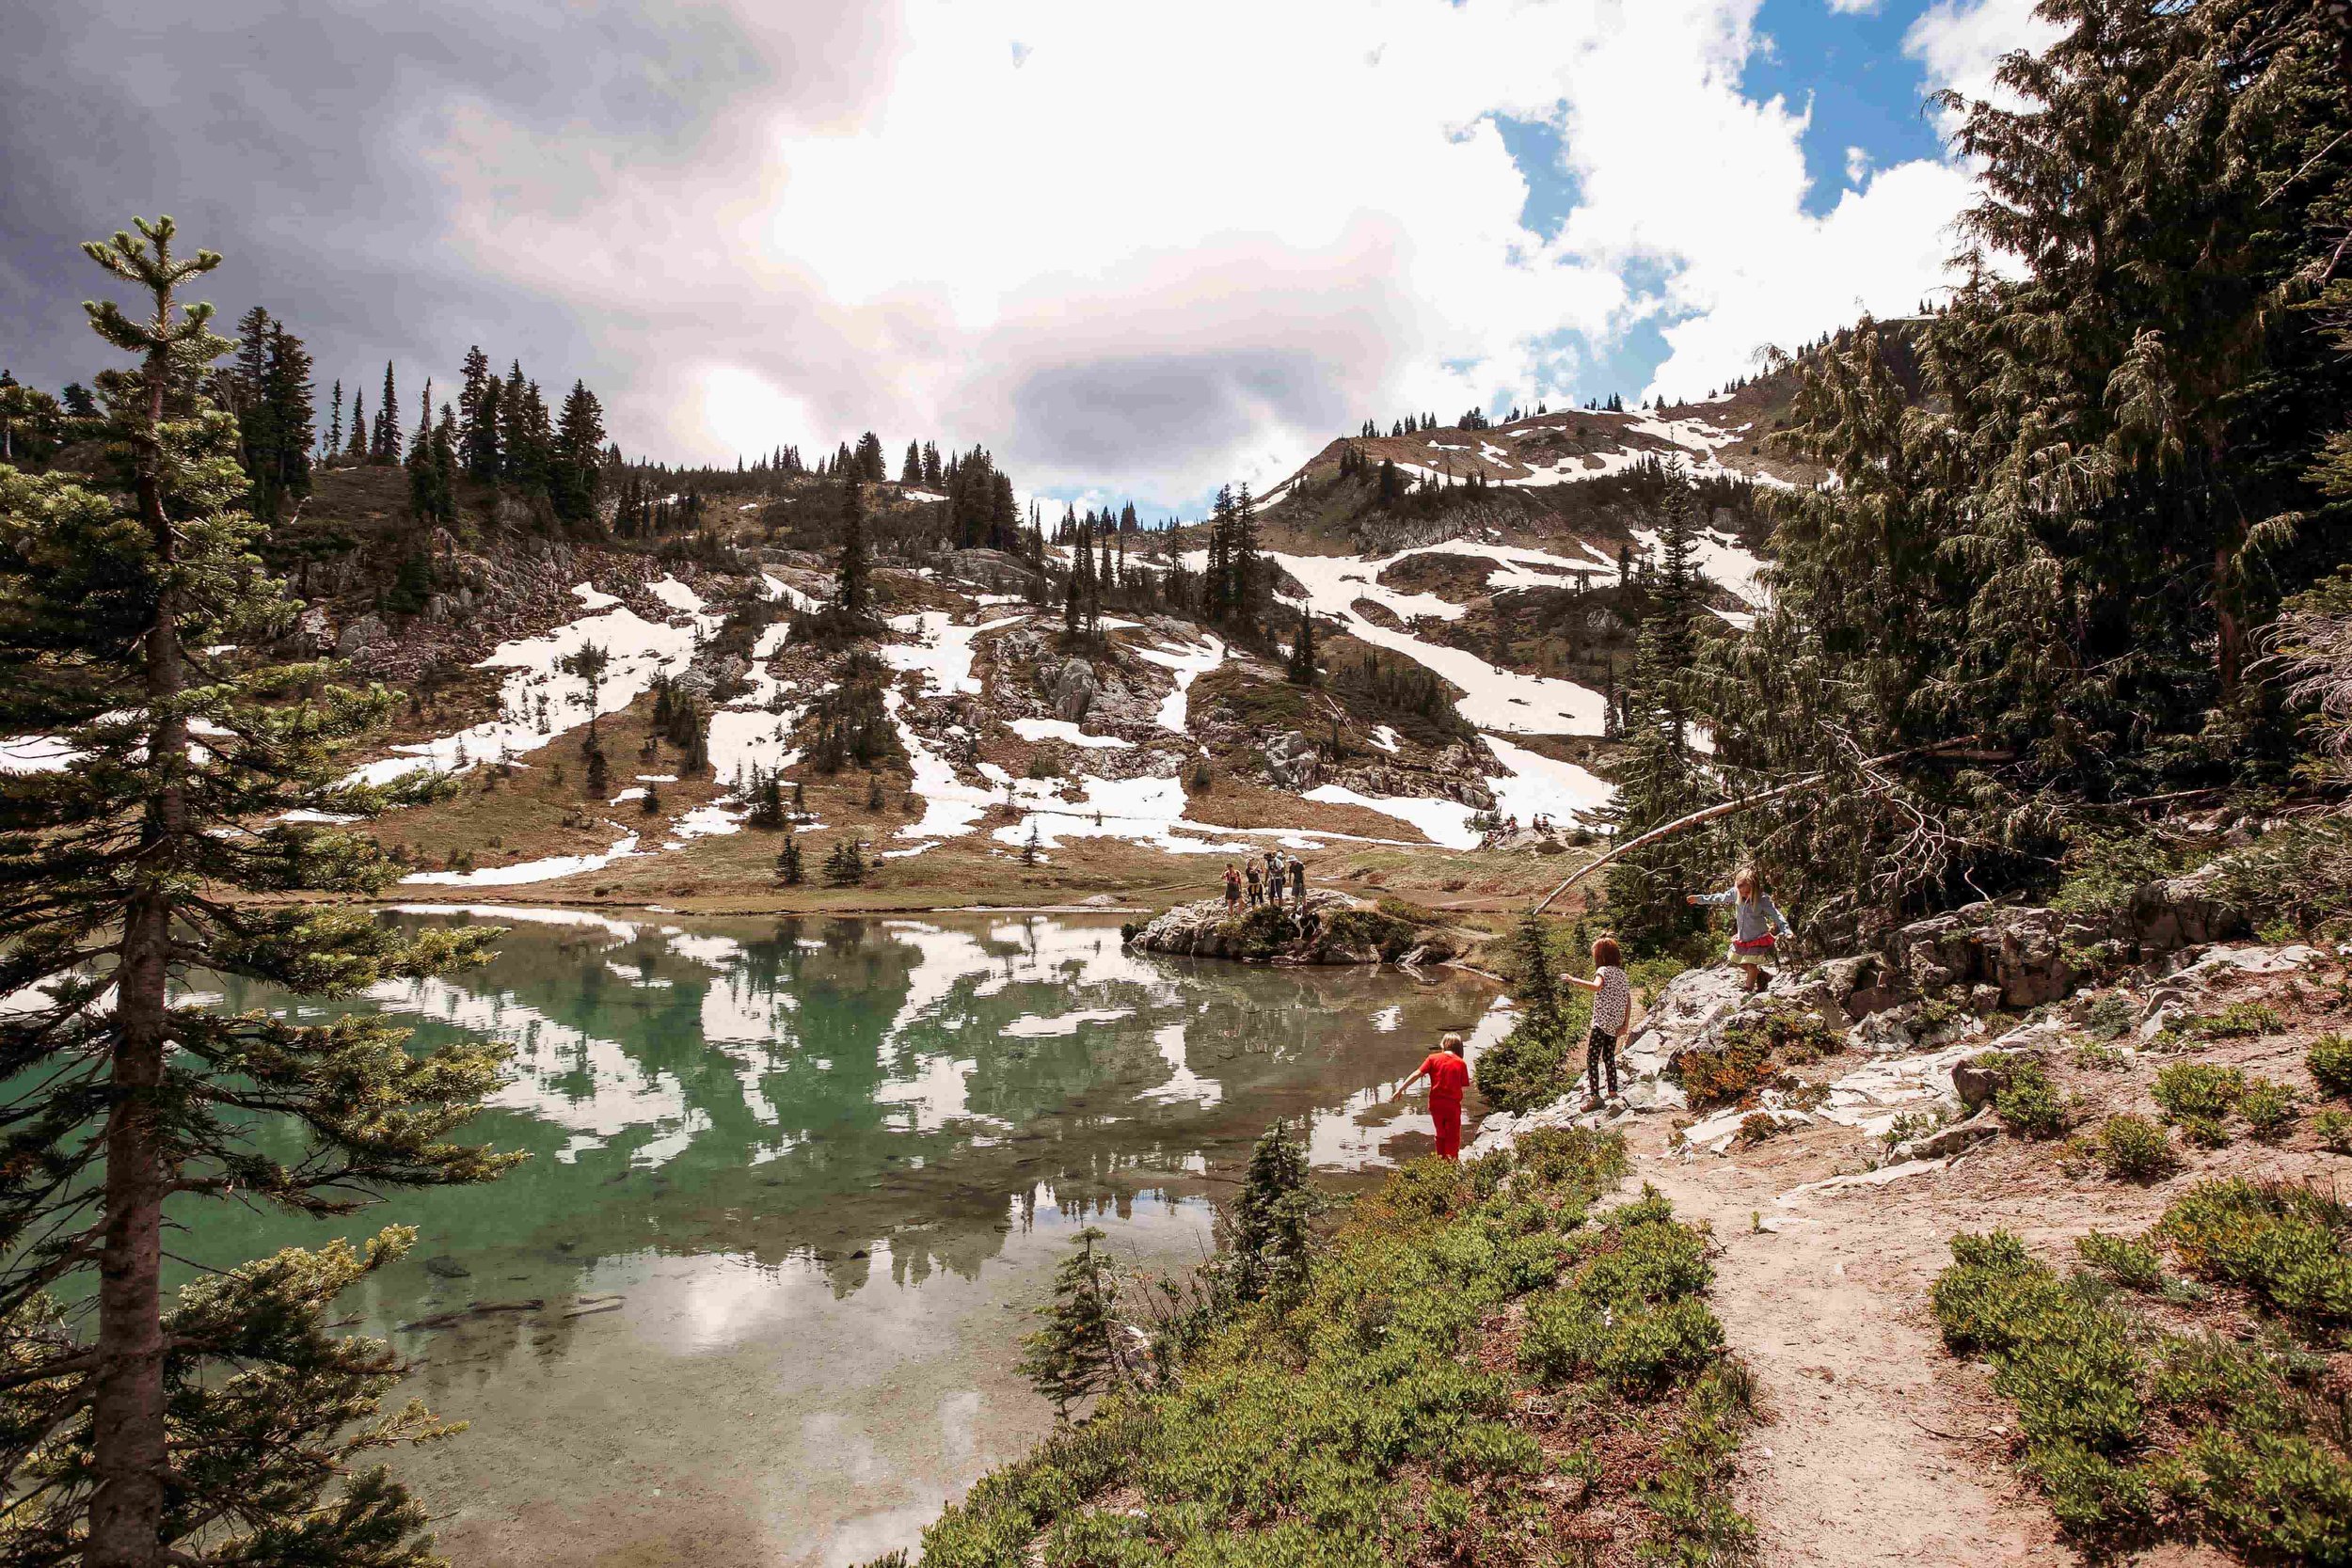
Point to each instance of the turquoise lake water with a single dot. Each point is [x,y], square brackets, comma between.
[795,1186]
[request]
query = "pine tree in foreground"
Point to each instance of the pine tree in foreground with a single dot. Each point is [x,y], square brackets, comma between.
[1079,1351]
[225,1426]
[1266,1227]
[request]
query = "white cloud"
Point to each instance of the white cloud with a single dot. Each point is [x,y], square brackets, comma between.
[1157,247]
[1857,164]
[1960,42]
[1854,7]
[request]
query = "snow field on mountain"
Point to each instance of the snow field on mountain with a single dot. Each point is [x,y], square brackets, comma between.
[640,651]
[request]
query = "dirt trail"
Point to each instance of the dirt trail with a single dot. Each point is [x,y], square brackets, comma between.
[1878,1450]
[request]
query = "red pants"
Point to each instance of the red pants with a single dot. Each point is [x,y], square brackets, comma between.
[1447,1113]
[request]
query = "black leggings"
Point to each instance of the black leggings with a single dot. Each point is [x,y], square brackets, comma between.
[1600,1050]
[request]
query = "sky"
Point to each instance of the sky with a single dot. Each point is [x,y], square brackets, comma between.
[1137,251]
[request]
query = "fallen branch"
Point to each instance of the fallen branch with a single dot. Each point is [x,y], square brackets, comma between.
[1964,744]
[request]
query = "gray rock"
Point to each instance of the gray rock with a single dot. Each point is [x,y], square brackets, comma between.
[1290,760]
[314,632]
[358,634]
[1944,1142]
[1072,689]
[1976,1085]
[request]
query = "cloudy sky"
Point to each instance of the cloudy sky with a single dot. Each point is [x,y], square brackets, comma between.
[1136,250]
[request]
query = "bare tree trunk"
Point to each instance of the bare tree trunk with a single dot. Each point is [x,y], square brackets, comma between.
[128,1437]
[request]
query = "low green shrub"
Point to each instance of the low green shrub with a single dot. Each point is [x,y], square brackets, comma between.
[2329,1059]
[2132,1434]
[2133,1264]
[2133,1149]
[2026,1102]
[2285,1245]
[2093,1057]
[2237,1021]
[2109,1018]
[2334,1127]
[2198,1090]
[2268,1107]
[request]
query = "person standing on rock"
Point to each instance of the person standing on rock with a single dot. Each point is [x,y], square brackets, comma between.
[1448,1075]
[1298,880]
[1274,877]
[1612,1007]
[1257,882]
[1232,887]
[1756,925]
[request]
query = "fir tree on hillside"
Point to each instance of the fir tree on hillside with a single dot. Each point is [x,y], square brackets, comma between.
[910,469]
[1656,779]
[576,471]
[1301,669]
[852,593]
[384,447]
[357,452]
[224,1426]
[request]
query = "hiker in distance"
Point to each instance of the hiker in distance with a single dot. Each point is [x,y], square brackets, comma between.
[1757,926]
[1448,1075]
[1612,1008]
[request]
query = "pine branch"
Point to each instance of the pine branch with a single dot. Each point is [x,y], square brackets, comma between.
[1964,745]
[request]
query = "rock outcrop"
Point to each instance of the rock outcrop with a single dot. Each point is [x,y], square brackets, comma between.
[1343,930]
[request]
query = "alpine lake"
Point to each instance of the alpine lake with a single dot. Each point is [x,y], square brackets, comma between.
[796,1186]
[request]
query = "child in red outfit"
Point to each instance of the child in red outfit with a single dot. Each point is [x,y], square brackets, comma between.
[1448,1075]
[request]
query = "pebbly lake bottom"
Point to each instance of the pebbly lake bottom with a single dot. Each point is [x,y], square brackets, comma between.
[796,1186]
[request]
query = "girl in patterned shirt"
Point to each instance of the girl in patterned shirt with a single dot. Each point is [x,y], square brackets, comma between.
[1612,1007]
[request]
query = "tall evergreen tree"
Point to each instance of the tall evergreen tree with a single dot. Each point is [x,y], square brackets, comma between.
[218,1429]
[387,448]
[358,451]
[1301,670]
[1656,779]
[910,470]
[292,420]
[578,469]
[852,593]
[335,423]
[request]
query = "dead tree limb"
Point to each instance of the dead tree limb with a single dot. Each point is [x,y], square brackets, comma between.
[1964,745]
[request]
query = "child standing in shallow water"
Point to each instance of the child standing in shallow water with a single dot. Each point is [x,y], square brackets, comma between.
[1448,1075]
[1756,925]
[1612,1008]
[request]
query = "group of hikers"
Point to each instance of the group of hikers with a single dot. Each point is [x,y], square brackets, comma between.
[1264,883]
[1757,930]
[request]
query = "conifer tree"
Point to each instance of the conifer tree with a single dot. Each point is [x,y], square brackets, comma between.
[910,470]
[1266,1227]
[387,451]
[577,469]
[1656,779]
[1078,1353]
[852,591]
[335,423]
[358,449]
[1301,670]
[220,1428]
[931,467]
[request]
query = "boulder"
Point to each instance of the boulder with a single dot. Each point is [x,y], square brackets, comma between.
[358,634]
[313,633]
[1290,760]
[1944,1142]
[1976,1085]
[1072,689]
[1347,932]
[2184,912]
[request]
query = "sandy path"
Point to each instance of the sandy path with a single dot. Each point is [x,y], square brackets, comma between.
[1878,1450]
